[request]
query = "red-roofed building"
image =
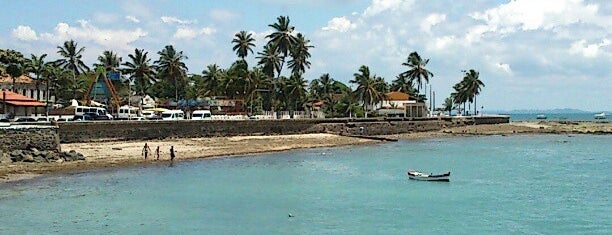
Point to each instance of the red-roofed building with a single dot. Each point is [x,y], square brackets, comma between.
[399,104]
[26,86]
[13,104]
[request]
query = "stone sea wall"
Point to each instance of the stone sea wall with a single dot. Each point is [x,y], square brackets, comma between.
[145,130]
[33,143]
[29,137]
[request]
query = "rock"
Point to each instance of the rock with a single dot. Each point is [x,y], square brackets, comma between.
[72,156]
[39,159]
[4,158]
[27,158]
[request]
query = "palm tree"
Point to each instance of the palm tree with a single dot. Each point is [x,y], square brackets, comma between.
[37,65]
[171,66]
[15,70]
[448,105]
[270,60]
[282,40]
[140,71]
[243,44]
[367,88]
[258,82]
[72,59]
[416,69]
[327,91]
[300,55]
[296,90]
[213,76]
[109,61]
[472,85]
[53,76]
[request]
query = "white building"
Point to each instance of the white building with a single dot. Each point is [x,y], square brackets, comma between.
[26,86]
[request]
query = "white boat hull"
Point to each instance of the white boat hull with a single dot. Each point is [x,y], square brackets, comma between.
[416,175]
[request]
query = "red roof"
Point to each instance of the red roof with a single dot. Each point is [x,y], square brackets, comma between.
[15,99]
[397,96]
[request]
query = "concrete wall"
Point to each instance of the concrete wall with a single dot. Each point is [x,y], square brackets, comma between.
[28,137]
[144,130]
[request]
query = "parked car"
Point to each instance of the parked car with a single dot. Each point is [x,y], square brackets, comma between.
[84,117]
[25,119]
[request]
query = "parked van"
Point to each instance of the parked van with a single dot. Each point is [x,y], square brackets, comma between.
[201,115]
[128,112]
[98,111]
[173,115]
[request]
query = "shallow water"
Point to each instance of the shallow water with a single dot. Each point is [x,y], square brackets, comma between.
[532,184]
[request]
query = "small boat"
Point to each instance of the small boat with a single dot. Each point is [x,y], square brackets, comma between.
[600,116]
[417,175]
[541,116]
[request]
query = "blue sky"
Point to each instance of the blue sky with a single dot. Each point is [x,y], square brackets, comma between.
[531,54]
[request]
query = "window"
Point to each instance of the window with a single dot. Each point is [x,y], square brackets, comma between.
[32,94]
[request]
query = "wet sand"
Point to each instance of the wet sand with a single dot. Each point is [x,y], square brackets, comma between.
[129,153]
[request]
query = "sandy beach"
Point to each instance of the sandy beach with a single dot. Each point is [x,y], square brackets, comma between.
[129,153]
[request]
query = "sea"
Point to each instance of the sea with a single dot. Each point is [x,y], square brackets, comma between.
[517,184]
[557,117]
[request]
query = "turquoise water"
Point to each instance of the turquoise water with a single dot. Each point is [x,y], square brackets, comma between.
[557,117]
[532,184]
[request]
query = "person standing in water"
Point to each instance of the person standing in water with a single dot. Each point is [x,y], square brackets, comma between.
[172,153]
[157,152]
[146,150]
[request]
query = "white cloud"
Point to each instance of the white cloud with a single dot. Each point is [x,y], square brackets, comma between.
[24,33]
[175,20]
[109,38]
[590,50]
[432,20]
[132,19]
[340,24]
[379,6]
[222,15]
[441,43]
[529,15]
[504,67]
[188,33]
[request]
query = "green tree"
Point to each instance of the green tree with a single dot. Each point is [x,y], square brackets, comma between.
[282,39]
[109,61]
[36,65]
[15,70]
[213,77]
[472,85]
[270,60]
[368,88]
[243,44]
[53,76]
[296,91]
[140,70]
[416,70]
[300,55]
[171,66]
[448,105]
[72,60]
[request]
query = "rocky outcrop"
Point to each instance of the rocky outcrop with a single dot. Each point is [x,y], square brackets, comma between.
[34,155]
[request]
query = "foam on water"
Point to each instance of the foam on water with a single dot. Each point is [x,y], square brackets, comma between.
[534,184]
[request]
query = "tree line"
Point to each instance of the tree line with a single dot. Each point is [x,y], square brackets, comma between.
[263,86]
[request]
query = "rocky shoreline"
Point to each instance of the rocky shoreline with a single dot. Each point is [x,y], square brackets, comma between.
[24,164]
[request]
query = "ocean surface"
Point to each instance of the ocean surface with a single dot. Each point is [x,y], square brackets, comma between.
[557,117]
[527,184]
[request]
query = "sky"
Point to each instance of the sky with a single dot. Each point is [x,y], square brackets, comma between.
[531,54]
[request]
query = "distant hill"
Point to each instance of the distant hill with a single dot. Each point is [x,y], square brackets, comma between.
[548,111]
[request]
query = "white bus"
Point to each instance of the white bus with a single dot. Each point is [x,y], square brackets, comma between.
[128,112]
[81,110]
[201,115]
[173,115]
